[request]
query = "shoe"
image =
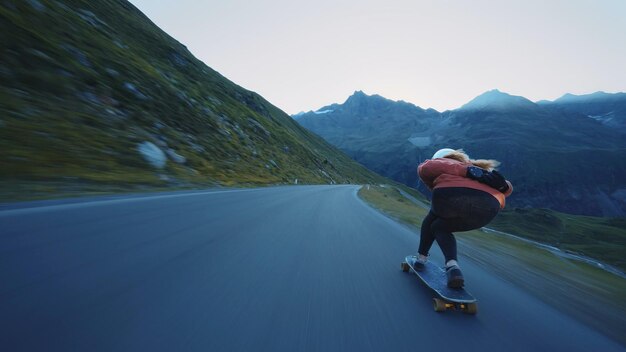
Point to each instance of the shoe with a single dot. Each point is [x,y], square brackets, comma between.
[455,276]
[419,264]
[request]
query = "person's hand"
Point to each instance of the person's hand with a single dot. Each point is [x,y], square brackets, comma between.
[493,179]
[475,173]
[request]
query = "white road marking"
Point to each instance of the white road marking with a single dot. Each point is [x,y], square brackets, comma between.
[95,203]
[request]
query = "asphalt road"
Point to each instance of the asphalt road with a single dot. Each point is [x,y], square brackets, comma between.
[307,268]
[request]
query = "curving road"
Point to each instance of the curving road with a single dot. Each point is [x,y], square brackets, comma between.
[308,268]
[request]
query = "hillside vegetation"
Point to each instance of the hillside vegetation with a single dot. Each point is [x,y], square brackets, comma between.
[87,85]
[600,238]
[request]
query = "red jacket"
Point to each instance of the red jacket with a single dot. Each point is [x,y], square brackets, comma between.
[443,172]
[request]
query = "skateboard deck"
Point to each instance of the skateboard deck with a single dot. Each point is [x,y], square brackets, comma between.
[435,278]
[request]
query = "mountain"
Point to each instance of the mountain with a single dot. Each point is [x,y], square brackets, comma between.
[376,132]
[95,97]
[497,100]
[609,109]
[555,158]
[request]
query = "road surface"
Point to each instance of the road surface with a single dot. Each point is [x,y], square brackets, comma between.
[306,268]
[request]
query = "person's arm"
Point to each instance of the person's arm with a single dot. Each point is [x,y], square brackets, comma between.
[426,178]
[493,179]
[510,190]
[429,170]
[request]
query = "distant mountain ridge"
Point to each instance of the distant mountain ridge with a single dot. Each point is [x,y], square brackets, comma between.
[550,150]
[372,130]
[608,108]
[597,96]
[495,99]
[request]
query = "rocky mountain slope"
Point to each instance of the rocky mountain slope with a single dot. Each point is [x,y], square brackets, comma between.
[556,157]
[377,132]
[609,109]
[93,96]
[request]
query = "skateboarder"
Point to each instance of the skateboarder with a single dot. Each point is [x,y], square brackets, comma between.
[467,195]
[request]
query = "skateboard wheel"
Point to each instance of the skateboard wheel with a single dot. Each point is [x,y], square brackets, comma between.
[439,305]
[471,308]
[404,266]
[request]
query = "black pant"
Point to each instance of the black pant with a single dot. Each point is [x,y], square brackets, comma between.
[455,209]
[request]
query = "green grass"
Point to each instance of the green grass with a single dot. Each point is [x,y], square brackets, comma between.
[391,202]
[582,290]
[588,293]
[595,237]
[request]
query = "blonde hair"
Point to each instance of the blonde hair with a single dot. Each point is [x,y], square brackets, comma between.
[460,155]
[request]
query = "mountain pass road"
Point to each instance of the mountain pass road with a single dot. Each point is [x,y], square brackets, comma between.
[300,268]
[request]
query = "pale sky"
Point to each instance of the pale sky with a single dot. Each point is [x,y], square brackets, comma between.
[302,55]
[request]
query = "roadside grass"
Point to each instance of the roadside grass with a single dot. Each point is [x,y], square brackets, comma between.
[580,289]
[595,237]
[391,202]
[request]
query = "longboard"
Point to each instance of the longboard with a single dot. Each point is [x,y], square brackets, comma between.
[447,298]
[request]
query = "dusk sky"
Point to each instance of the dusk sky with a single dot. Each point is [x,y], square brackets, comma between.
[302,55]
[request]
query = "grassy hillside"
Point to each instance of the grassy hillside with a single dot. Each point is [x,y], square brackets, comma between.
[600,238]
[85,83]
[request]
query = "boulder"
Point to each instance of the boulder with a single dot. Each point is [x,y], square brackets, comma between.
[111,72]
[264,133]
[131,88]
[152,154]
[89,97]
[177,158]
[196,147]
[178,59]
[119,44]
[78,54]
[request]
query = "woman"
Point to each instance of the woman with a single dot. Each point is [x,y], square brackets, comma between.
[467,195]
